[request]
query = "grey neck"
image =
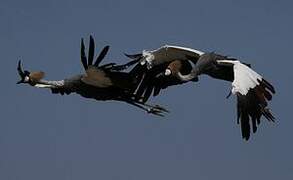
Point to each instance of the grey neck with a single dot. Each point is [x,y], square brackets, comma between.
[189,77]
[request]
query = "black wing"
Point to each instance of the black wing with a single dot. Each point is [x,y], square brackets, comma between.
[147,82]
[154,80]
[252,106]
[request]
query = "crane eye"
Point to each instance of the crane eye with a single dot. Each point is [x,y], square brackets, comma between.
[168,72]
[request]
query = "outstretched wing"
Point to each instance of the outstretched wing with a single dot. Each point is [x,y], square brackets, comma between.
[88,61]
[167,54]
[83,57]
[150,81]
[183,53]
[105,78]
[253,93]
[102,55]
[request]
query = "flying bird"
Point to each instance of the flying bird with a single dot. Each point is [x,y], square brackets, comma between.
[252,91]
[100,82]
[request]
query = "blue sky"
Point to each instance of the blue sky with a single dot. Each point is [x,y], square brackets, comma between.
[45,136]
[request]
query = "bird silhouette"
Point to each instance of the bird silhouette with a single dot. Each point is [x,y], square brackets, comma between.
[172,65]
[100,82]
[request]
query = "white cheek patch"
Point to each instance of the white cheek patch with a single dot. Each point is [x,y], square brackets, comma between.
[26,79]
[168,72]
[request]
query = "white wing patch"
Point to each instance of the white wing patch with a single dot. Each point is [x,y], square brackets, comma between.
[167,54]
[186,49]
[244,78]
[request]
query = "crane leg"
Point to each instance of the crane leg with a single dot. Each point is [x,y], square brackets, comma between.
[156,109]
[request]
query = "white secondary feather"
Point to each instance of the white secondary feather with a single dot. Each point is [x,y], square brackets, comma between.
[186,49]
[169,53]
[244,77]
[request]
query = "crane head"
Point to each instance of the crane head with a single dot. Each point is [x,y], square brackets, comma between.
[24,75]
[31,78]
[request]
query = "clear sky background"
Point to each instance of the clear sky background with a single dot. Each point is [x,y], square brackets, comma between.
[45,136]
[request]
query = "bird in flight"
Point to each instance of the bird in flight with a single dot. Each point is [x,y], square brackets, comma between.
[172,65]
[100,82]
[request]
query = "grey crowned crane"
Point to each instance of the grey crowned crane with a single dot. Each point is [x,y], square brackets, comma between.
[252,91]
[105,82]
